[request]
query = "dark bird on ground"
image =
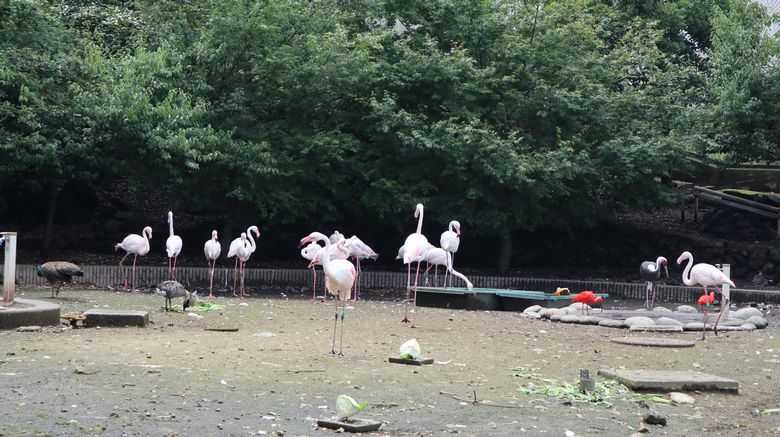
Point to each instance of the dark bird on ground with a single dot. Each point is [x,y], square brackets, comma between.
[57,273]
[651,271]
[171,289]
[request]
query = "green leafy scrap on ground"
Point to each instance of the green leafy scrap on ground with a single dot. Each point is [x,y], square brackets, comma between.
[768,411]
[204,305]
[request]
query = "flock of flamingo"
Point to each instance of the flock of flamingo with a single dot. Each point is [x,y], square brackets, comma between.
[341,275]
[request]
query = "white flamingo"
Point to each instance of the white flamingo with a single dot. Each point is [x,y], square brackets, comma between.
[172,246]
[244,252]
[359,250]
[138,246]
[212,249]
[413,250]
[450,241]
[437,257]
[232,252]
[309,252]
[340,276]
[705,275]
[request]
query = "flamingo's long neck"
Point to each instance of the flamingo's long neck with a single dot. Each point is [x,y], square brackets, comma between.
[170,224]
[251,239]
[325,254]
[452,227]
[419,222]
[685,278]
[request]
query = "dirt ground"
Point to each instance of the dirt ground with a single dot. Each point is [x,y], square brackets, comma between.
[274,375]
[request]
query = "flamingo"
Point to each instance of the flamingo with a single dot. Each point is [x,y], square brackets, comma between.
[233,251]
[172,246]
[339,251]
[705,275]
[359,250]
[309,252]
[450,240]
[705,301]
[244,252]
[587,298]
[212,249]
[651,271]
[335,237]
[413,250]
[437,257]
[137,245]
[340,276]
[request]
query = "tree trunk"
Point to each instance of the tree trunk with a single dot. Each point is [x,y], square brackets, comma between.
[505,254]
[51,211]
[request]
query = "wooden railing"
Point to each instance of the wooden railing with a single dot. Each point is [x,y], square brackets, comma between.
[723,199]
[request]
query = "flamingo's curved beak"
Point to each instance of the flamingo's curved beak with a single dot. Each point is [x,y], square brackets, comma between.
[457,231]
[305,240]
[666,269]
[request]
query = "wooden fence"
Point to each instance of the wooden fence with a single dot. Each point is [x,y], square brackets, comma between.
[197,277]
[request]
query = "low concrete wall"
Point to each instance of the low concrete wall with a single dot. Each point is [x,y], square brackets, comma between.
[197,277]
[29,312]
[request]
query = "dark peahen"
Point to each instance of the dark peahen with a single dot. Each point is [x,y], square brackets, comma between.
[57,273]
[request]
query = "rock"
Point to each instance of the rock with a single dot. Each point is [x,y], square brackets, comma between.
[655,328]
[557,317]
[732,322]
[640,320]
[590,320]
[681,398]
[746,313]
[570,319]
[759,322]
[533,309]
[654,419]
[696,326]
[686,309]
[577,305]
[608,323]
[666,321]
[662,310]
[28,329]
[533,315]
[748,327]
[547,312]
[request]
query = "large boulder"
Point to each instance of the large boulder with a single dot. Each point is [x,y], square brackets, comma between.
[746,313]
[686,309]
[666,321]
[609,323]
[759,322]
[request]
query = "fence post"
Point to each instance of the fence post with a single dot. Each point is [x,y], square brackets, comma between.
[9,267]
[726,290]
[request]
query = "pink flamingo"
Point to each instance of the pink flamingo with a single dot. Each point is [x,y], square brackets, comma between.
[705,275]
[359,250]
[437,257]
[309,253]
[412,252]
[340,276]
[172,246]
[450,241]
[137,245]
[244,252]
[338,251]
[212,249]
[233,251]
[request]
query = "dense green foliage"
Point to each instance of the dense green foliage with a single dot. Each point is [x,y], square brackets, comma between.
[505,114]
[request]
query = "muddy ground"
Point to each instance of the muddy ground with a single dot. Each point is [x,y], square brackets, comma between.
[274,375]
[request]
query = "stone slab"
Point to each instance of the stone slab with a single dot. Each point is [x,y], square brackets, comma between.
[27,312]
[417,362]
[653,342]
[99,317]
[356,425]
[670,380]
[656,328]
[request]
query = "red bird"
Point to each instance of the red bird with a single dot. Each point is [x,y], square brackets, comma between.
[705,301]
[587,298]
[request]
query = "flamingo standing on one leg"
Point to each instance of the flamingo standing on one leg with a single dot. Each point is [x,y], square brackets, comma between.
[232,252]
[212,249]
[244,252]
[337,251]
[137,245]
[651,271]
[172,246]
[705,301]
[705,275]
[359,250]
[450,241]
[413,252]
[587,299]
[340,276]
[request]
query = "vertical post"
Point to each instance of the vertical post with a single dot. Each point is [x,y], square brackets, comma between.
[9,268]
[724,310]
